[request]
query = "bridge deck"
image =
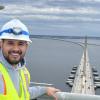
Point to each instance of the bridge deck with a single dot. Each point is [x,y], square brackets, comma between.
[83,82]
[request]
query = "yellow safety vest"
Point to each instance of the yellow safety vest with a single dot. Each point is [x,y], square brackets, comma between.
[10,92]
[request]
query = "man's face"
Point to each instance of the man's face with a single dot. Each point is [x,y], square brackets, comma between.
[13,50]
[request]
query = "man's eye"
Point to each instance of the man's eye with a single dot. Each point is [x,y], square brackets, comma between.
[10,43]
[22,43]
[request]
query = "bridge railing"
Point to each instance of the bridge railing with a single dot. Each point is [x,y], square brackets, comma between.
[71,96]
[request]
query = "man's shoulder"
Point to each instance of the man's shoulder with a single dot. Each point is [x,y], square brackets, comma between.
[25,70]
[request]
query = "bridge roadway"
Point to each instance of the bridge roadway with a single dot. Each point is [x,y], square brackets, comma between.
[83,82]
[83,87]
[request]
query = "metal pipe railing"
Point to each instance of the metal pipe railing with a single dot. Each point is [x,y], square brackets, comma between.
[76,96]
[70,96]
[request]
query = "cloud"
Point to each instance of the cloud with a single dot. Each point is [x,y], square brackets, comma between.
[51,13]
[27,9]
[89,1]
[55,18]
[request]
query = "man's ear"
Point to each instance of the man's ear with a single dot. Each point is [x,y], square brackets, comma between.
[28,44]
[1,42]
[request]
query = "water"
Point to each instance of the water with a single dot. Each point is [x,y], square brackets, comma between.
[51,61]
[47,60]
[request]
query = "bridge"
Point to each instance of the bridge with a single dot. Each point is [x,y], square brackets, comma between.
[83,82]
[83,87]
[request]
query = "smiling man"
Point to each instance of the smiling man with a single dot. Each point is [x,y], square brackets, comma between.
[14,50]
[14,76]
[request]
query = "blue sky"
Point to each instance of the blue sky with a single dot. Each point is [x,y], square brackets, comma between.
[55,17]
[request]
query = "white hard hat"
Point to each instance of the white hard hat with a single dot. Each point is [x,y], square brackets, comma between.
[15,29]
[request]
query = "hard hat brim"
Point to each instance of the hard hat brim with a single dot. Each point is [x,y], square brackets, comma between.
[13,37]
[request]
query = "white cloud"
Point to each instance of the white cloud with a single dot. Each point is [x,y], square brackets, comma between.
[49,13]
[89,1]
[20,9]
[55,18]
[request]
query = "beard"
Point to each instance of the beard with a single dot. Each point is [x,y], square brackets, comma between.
[14,60]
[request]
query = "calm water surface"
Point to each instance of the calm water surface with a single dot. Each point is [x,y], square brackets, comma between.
[51,61]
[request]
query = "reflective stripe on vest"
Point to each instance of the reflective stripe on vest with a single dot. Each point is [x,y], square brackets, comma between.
[10,92]
[5,91]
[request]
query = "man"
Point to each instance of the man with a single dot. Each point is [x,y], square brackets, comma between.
[14,76]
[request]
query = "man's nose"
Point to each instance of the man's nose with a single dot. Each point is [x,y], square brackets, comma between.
[16,47]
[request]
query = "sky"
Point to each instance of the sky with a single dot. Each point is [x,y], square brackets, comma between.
[55,17]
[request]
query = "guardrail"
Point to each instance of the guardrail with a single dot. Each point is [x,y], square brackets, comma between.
[71,96]
[40,84]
